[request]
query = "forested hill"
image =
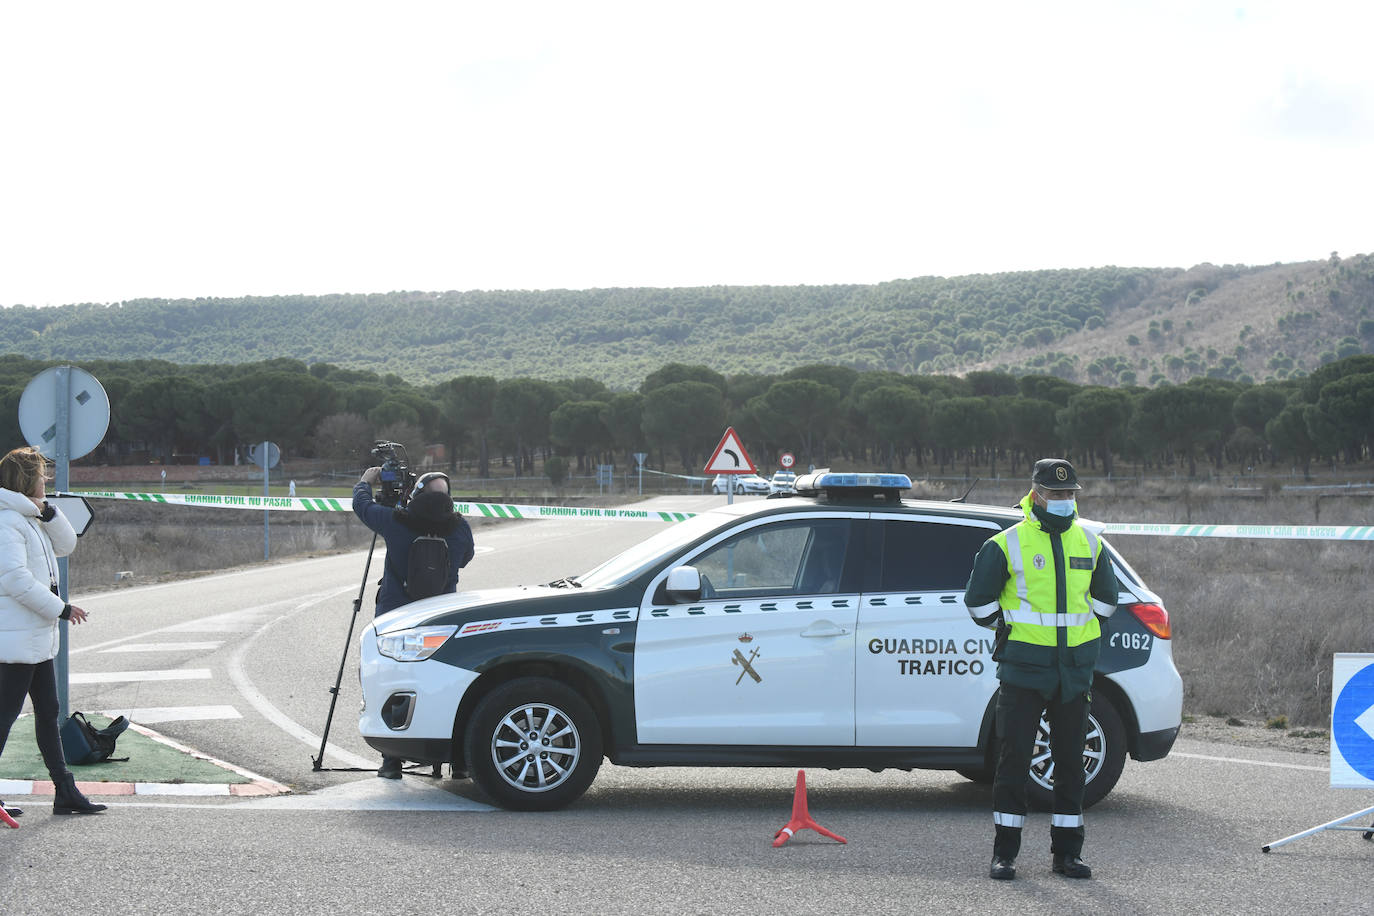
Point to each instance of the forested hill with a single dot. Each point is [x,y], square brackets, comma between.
[1110,325]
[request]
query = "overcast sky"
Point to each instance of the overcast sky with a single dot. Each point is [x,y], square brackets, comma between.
[225,149]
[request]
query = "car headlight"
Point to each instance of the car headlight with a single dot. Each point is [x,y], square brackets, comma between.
[414,645]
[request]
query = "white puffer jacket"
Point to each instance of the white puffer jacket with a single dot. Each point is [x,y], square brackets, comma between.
[29,548]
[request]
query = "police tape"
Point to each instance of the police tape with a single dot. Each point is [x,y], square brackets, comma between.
[512,511]
[330,504]
[1273,532]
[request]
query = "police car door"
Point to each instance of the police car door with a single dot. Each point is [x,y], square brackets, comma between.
[925,672]
[766,656]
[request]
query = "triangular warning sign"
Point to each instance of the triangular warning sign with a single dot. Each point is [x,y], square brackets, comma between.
[730,457]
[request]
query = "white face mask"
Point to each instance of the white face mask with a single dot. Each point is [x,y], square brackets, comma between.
[1064,507]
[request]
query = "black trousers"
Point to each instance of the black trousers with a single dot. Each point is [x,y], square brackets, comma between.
[1018,718]
[38,683]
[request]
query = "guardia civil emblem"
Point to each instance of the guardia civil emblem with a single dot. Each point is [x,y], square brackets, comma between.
[1039,561]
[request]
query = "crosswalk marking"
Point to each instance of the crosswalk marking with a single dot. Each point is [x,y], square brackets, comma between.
[165,647]
[147,715]
[114,677]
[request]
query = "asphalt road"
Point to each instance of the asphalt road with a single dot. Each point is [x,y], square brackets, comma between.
[1181,835]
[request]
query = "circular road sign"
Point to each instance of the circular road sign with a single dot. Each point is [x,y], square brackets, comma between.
[787,460]
[267,459]
[88,412]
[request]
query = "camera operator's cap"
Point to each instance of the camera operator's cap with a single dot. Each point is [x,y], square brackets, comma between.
[424,479]
[1055,474]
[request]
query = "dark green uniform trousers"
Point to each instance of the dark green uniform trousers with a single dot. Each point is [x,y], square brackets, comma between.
[1018,718]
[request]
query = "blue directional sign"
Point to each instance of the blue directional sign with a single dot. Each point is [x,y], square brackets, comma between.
[1352,721]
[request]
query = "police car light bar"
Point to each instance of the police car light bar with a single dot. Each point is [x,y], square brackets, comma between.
[852,485]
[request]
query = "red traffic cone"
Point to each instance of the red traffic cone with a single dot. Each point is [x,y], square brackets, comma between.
[5,816]
[801,817]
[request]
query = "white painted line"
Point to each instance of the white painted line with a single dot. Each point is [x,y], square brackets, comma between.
[255,697]
[147,715]
[408,794]
[164,788]
[172,627]
[166,647]
[114,677]
[1255,763]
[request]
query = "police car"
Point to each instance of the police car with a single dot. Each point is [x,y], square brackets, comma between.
[823,630]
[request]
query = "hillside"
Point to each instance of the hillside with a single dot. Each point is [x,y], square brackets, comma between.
[1109,325]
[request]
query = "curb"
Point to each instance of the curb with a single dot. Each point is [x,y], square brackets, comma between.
[256,787]
[15,788]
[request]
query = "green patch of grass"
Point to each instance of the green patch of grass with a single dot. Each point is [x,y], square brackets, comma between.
[1276,722]
[149,760]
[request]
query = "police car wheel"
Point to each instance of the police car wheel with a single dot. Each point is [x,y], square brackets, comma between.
[533,744]
[1104,757]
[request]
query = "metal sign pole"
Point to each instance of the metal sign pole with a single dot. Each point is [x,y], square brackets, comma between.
[61,484]
[266,513]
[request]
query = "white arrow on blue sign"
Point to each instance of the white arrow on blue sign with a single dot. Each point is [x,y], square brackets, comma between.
[1352,721]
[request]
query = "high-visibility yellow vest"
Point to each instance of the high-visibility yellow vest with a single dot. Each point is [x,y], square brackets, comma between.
[1029,601]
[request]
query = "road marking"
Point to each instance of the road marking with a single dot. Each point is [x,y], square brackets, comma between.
[147,715]
[239,677]
[370,794]
[166,647]
[113,677]
[101,646]
[1257,763]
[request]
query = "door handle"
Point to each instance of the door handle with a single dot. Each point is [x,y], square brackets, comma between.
[823,628]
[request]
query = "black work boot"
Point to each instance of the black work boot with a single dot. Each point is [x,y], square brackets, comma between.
[390,768]
[1002,869]
[67,799]
[1071,866]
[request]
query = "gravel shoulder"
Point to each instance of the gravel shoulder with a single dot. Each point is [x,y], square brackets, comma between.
[1256,733]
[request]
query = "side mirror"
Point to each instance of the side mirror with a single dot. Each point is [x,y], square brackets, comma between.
[683,585]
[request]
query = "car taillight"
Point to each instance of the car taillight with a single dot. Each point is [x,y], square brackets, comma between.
[1154,617]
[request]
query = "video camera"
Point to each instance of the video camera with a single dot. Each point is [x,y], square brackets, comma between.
[397,477]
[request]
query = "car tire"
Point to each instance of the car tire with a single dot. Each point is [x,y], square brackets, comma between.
[500,744]
[1104,757]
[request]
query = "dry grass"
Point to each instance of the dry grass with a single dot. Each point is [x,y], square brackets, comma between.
[160,542]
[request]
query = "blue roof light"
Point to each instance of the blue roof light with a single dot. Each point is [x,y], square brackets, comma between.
[856,483]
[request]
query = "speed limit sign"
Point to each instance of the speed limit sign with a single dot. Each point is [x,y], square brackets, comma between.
[787,460]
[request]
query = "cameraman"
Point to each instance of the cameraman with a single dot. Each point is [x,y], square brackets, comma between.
[429,512]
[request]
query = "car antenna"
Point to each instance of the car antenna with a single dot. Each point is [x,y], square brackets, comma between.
[959,499]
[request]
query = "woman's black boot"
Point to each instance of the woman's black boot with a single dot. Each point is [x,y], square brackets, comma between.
[68,798]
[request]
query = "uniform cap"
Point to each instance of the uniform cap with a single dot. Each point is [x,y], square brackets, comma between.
[1055,474]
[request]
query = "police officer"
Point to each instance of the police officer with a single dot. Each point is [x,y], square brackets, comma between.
[1043,583]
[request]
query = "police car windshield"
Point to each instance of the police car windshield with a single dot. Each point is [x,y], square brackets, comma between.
[625,566]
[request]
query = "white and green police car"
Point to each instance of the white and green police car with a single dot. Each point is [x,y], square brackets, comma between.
[823,630]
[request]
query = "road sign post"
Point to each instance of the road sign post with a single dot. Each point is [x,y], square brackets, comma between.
[266,455]
[1352,738]
[64,413]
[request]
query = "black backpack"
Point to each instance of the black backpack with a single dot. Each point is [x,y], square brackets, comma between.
[426,567]
[83,743]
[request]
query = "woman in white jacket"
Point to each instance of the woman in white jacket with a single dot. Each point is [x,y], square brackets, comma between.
[32,536]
